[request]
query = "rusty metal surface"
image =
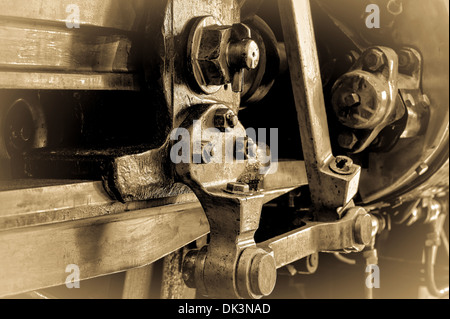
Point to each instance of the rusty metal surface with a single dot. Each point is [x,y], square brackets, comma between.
[173,286]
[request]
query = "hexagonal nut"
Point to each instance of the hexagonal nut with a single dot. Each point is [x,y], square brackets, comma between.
[212,55]
[371,99]
[407,61]
[347,140]
[374,60]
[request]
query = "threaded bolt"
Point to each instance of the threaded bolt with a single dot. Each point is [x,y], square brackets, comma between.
[243,54]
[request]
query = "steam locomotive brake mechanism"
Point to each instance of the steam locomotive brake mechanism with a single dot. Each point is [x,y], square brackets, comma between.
[224,148]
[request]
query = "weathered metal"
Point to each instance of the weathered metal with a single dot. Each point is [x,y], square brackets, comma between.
[233,211]
[36,257]
[189,55]
[259,81]
[36,39]
[431,40]
[365,98]
[351,233]
[328,189]
[218,54]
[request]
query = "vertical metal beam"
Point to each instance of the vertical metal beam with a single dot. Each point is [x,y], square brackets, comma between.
[328,189]
[306,80]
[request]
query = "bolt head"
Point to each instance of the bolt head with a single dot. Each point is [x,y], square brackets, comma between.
[407,61]
[225,118]
[212,55]
[342,165]
[374,60]
[237,187]
[263,274]
[347,140]
[363,229]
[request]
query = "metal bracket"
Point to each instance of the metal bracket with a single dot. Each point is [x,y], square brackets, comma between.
[233,265]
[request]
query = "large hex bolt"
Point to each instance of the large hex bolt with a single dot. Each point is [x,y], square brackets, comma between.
[347,140]
[407,61]
[212,55]
[219,54]
[374,60]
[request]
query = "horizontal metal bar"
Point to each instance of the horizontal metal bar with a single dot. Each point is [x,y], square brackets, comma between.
[69,81]
[36,257]
[28,46]
[311,238]
[117,14]
[37,202]
[49,197]
[77,223]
